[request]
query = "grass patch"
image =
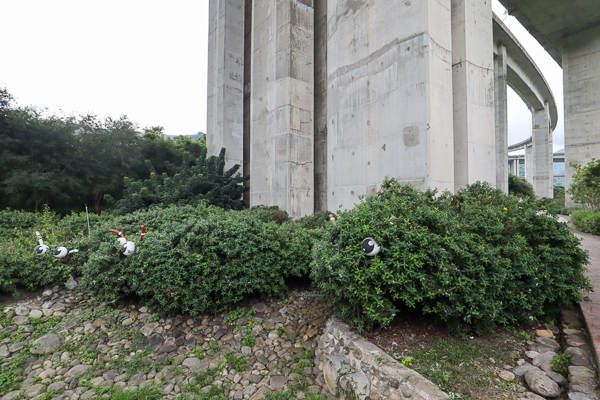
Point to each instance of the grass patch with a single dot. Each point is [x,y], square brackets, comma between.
[465,368]
[146,393]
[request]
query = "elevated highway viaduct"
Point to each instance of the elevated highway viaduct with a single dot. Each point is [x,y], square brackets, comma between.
[570,32]
[514,67]
[322,100]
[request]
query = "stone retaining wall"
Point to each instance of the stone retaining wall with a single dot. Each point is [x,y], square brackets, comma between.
[351,364]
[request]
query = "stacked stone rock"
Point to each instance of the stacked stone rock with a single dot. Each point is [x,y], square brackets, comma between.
[534,367]
[350,364]
[282,331]
[583,374]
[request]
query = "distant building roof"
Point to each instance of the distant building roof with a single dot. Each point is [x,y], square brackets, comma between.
[561,151]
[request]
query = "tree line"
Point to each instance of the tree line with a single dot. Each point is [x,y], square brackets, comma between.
[67,161]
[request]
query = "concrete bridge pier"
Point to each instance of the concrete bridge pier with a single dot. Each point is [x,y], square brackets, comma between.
[529,163]
[542,154]
[514,167]
[389,97]
[473,92]
[501,108]
[282,105]
[581,71]
[226,80]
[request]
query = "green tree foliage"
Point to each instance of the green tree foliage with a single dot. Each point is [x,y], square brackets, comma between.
[519,187]
[585,186]
[64,162]
[108,151]
[476,259]
[37,158]
[193,183]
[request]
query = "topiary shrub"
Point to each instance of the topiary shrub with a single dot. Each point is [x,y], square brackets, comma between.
[201,263]
[587,221]
[474,260]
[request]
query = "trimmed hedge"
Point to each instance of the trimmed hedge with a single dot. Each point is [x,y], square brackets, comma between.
[587,221]
[474,260]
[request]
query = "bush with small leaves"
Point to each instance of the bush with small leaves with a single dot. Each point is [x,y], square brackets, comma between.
[587,221]
[198,260]
[474,260]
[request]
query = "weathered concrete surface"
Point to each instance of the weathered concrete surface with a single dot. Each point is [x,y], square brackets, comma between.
[247,94]
[581,70]
[225,80]
[320,128]
[549,21]
[389,102]
[501,120]
[322,100]
[543,171]
[529,163]
[282,109]
[473,92]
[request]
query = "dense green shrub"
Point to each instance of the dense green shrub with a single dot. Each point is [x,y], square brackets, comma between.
[14,219]
[272,213]
[476,259]
[20,266]
[587,221]
[519,187]
[199,263]
[318,220]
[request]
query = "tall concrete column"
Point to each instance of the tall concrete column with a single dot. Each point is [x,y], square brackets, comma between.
[320,105]
[543,174]
[529,163]
[581,71]
[512,166]
[389,100]
[226,80]
[473,92]
[282,90]
[501,118]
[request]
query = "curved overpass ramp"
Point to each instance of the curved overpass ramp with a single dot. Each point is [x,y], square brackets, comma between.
[514,67]
[570,31]
[524,76]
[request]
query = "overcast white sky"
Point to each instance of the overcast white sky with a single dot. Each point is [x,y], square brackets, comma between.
[147,59]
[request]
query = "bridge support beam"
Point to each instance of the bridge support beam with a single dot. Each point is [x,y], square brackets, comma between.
[501,108]
[542,168]
[282,105]
[581,71]
[473,92]
[226,80]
